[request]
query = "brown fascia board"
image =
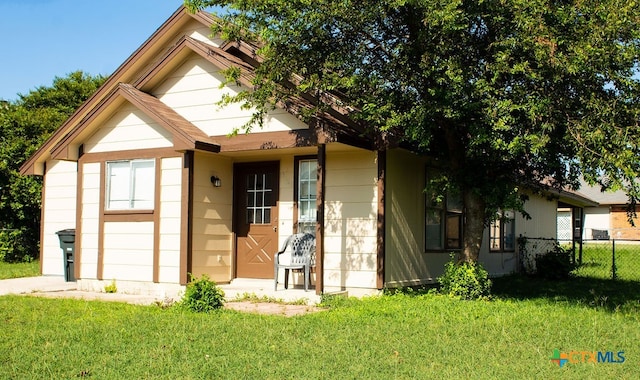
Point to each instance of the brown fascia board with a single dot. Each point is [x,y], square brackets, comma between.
[187,45]
[119,75]
[186,136]
[574,198]
[189,136]
[334,120]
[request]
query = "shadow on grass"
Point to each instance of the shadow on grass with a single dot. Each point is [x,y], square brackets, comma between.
[606,294]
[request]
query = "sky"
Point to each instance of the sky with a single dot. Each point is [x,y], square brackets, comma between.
[44,39]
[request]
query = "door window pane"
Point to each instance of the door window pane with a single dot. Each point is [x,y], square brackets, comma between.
[260,198]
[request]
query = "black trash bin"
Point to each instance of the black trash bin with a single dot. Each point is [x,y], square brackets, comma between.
[67,243]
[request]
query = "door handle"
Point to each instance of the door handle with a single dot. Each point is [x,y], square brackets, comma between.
[275,228]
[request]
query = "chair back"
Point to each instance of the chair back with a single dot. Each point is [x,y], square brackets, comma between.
[303,248]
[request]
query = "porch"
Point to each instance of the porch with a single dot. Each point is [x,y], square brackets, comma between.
[263,288]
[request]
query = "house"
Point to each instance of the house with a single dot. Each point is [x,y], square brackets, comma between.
[147,174]
[609,219]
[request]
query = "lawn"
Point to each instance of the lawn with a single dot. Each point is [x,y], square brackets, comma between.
[16,270]
[597,260]
[404,336]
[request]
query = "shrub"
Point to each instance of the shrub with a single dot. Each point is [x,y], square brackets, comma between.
[465,280]
[555,265]
[18,246]
[111,288]
[202,295]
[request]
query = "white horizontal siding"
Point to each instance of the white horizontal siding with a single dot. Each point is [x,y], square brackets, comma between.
[193,90]
[128,251]
[91,176]
[170,222]
[350,232]
[128,129]
[59,212]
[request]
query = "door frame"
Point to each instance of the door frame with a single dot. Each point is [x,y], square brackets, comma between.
[238,168]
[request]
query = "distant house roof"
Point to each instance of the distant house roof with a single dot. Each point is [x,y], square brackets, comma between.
[603,198]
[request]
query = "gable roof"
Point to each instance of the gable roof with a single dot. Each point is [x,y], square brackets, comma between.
[125,73]
[185,135]
[618,197]
[145,68]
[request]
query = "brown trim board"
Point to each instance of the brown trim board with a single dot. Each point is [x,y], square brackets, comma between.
[380,240]
[320,194]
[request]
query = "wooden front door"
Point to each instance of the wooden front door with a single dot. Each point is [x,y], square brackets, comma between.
[256,216]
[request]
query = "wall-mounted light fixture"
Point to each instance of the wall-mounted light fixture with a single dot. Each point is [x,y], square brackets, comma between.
[216,181]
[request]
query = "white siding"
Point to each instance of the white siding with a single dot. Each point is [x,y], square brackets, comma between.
[128,251]
[59,212]
[199,32]
[406,262]
[170,225]
[193,91]
[128,129]
[212,215]
[91,177]
[350,220]
[596,218]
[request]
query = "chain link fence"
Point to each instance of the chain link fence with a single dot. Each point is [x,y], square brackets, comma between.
[617,259]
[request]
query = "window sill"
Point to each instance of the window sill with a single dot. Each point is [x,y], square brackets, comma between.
[127,212]
[129,215]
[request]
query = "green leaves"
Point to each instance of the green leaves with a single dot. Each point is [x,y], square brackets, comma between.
[24,125]
[503,93]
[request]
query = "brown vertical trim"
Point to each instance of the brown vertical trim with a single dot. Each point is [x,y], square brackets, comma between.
[77,246]
[320,187]
[103,191]
[156,221]
[42,206]
[380,243]
[186,217]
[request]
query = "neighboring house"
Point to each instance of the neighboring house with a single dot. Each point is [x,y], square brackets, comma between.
[146,173]
[608,220]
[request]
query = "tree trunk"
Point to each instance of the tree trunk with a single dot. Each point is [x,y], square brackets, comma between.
[473,230]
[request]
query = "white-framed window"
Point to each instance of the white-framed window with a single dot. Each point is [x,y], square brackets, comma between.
[130,185]
[502,232]
[306,197]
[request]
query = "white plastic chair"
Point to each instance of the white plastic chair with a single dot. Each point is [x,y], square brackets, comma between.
[298,253]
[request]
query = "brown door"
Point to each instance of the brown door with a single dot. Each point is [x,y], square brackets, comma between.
[256,216]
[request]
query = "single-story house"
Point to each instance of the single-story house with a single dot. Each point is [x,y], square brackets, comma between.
[147,174]
[609,218]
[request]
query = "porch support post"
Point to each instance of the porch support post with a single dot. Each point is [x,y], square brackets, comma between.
[380,243]
[320,198]
[186,217]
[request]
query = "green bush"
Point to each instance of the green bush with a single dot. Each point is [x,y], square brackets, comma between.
[202,295]
[18,246]
[555,265]
[465,280]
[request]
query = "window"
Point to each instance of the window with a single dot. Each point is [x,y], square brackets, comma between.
[502,232]
[260,197]
[307,180]
[130,185]
[443,222]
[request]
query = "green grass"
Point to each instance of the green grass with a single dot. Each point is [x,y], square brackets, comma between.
[15,270]
[597,260]
[401,336]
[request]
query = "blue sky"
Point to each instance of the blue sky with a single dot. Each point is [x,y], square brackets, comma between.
[44,39]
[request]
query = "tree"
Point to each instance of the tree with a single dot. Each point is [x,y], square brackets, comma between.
[24,125]
[505,94]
